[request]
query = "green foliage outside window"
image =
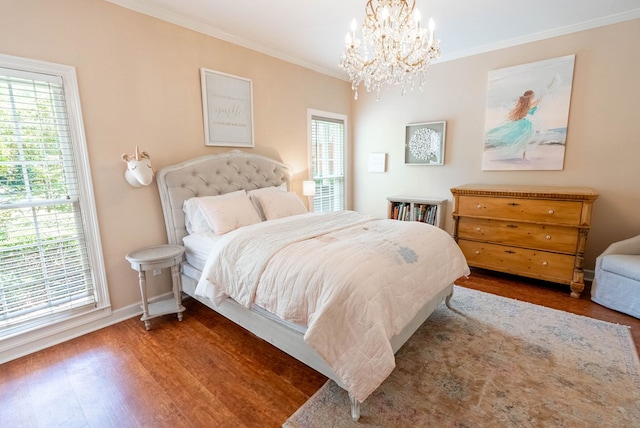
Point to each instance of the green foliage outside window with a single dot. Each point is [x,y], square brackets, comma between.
[42,255]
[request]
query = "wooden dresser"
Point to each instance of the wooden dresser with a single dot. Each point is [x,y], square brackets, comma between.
[534,231]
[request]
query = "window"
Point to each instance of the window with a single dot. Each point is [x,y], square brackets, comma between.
[327,148]
[51,264]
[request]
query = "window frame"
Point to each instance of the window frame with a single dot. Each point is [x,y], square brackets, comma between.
[311,113]
[56,326]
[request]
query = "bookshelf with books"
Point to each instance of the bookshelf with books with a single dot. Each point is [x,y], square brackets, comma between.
[426,210]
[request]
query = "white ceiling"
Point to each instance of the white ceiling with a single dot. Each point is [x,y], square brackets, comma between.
[311,32]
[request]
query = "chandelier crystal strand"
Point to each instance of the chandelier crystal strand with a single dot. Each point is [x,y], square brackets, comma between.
[394,49]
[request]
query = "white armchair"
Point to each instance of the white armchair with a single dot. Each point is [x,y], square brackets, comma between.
[616,284]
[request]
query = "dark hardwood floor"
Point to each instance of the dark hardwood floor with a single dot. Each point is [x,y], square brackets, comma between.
[202,372]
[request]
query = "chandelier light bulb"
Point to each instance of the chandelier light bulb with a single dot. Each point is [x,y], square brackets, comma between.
[385,13]
[393,49]
[432,27]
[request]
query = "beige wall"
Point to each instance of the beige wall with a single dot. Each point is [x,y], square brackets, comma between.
[603,142]
[140,84]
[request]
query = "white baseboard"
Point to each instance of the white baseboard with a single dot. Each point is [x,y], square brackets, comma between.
[589,274]
[26,343]
[18,346]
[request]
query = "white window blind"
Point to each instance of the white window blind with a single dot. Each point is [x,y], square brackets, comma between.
[44,263]
[328,163]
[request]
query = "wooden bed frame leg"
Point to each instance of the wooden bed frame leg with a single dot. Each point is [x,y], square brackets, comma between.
[355,408]
[447,300]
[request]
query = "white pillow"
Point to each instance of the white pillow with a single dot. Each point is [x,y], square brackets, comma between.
[226,214]
[253,194]
[194,219]
[280,204]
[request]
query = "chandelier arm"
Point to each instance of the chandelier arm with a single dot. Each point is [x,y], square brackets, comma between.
[372,13]
[408,15]
[367,64]
[418,64]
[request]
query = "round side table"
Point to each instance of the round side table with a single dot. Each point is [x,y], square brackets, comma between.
[155,259]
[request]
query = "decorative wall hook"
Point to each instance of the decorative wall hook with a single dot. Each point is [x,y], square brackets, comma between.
[139,170]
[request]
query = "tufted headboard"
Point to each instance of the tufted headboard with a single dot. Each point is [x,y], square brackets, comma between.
[212,175]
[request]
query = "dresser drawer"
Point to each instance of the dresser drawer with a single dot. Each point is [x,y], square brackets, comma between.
[540,236]
[532,263]
[535,210]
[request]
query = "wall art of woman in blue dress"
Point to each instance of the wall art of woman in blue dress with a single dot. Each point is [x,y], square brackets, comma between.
[512,137]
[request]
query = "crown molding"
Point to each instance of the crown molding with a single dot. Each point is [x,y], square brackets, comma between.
[147,7]
[542,35]
[155,11]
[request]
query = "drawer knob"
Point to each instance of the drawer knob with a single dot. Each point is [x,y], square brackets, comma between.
[548,237]
[478,229]
[479,206]
[545,264]
[551,212]
[477,252]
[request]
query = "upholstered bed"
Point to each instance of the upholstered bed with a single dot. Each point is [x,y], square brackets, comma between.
[209,276]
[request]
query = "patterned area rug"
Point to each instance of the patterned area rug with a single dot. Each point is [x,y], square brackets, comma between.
[497,362]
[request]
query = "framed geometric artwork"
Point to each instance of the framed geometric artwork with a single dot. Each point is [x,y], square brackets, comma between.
[527,114]
[227,107]
[424,143]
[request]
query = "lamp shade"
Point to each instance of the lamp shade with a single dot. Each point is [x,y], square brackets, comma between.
[308,188]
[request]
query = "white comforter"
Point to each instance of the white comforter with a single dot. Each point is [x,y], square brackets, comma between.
[353,280]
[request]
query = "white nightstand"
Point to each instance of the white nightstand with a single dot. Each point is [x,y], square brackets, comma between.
[154,259]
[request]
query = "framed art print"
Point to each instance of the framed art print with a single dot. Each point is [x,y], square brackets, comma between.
[227,107]
[424,143]
[527,116]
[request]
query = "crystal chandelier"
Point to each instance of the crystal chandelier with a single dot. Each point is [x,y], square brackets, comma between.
[394,48]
